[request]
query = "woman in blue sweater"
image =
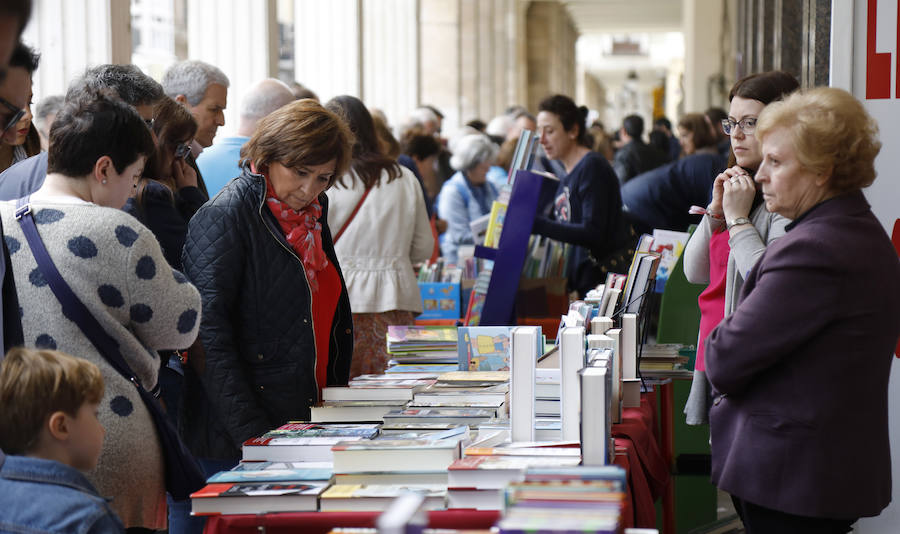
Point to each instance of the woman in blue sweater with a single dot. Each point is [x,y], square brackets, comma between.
[587,209]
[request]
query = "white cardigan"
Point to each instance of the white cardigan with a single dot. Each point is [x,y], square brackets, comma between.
[377,250]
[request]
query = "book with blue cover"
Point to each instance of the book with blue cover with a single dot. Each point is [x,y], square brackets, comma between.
[271,472]
[483,348]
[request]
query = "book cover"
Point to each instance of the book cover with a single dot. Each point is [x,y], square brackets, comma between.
[270,472]
[257,498]
[300,429]
[483,348]
[669,245]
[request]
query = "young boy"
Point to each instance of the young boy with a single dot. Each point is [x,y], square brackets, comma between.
[49,427]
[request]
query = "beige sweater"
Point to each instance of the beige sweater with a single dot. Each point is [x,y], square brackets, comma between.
[115,266]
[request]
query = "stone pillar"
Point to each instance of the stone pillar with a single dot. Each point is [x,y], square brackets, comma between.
[440,70]
[551,37]
[74,34]
[789,35]
[706,63]
[390,57]
[327,46]
[239,37]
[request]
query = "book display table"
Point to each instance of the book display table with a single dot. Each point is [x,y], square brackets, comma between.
[637,451]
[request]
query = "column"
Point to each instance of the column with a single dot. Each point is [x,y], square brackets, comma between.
[74,34]
[439,62]
[327,46]
[390,57]
[551,37]
[238,36]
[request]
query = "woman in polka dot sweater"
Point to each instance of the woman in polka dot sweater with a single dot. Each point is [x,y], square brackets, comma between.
[98,147]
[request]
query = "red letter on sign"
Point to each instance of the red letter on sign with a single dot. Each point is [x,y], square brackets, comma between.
[878,66]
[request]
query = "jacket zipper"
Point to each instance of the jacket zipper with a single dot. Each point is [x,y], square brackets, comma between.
[312,319]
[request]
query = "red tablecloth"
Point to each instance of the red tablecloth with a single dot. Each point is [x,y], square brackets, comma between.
[322,522]
[637,452]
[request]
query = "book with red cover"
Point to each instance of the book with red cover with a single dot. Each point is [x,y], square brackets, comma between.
[257,498]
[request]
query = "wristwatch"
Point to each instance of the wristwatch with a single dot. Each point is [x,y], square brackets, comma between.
[737,221]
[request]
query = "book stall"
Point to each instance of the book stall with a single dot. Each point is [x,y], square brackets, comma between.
[486,426]
[479,421]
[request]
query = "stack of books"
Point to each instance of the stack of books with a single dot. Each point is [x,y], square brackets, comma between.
[422,349]
[565,499]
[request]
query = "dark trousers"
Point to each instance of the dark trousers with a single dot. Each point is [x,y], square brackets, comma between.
[760,520]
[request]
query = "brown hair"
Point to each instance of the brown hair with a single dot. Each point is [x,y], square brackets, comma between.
[700,129]
[390,147]
[299,134]
[172,124]
[36,383]
[830,130]
[369,161]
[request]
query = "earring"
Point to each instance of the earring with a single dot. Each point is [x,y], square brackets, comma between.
[103,181]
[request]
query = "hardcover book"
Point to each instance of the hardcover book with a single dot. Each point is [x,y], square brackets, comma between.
[358,497]
[290,449]
[395,455]
[245,472]
[257,498]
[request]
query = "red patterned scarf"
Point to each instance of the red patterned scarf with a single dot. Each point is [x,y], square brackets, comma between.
[303,231]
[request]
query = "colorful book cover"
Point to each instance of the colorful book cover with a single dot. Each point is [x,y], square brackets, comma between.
[270,472]
[295,429]
[419,334]
[669,244]
[483,348]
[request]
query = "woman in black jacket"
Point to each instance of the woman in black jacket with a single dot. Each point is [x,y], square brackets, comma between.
[276,324]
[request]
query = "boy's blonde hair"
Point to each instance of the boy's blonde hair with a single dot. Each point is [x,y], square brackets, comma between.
[36,383]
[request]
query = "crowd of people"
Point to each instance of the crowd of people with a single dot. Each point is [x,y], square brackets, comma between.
[238,276]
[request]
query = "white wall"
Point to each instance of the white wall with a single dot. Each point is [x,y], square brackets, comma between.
[849,72]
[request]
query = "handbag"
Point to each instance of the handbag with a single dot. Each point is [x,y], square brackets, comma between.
[182,472]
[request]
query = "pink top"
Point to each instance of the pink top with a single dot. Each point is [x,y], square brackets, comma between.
[712,300]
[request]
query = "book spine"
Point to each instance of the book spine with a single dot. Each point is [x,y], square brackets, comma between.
[521,388]
[571,350]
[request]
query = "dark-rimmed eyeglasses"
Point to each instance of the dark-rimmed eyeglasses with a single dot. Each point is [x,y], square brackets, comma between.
[17,114]
[747,125]
[182,150]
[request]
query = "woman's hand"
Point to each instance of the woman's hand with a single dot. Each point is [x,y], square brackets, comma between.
[738,192]
[184,174]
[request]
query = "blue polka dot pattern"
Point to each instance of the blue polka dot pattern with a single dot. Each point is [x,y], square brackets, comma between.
[126,235]
[45,341]
[186,321]
[47,216]
[36,277]
[141,313]
[12,244]
[146,268]
[82,247]
[180,278]
[121,406]
[110,296]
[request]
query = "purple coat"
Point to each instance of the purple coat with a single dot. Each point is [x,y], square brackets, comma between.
[800,370]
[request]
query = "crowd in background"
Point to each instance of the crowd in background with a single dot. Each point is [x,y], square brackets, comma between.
[240,275]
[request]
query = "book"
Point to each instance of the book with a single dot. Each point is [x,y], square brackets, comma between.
[290,449]
[525,351]
[669,245]
[483,348]
[301,429]
[404,515]
[498,471]
[438,477]
[456,416]
[473,378]
[343,411]
[572,351]
[245,472]
[373,497]
[445,393]
[559,452]
[395,455]
[257,498]
[399,389]
[475,498]
[595,409]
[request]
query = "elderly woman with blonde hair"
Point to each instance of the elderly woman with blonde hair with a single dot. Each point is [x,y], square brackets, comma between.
[809,348]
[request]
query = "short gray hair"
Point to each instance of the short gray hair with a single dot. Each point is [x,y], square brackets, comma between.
[50,105]
[471,151]
[131,85]
[264,98]
[191,78]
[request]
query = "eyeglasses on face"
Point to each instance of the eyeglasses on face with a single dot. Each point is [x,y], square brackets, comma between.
[747,125]
[17,114]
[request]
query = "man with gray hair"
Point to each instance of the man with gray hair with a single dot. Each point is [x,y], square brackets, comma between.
[219,163]
[203,89]
[44,114]
[127,81]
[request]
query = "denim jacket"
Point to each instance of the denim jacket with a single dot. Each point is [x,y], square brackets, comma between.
[38,496]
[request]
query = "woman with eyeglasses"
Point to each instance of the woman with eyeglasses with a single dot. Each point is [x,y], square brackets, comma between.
[167,195]
[736,229]
[20,138]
